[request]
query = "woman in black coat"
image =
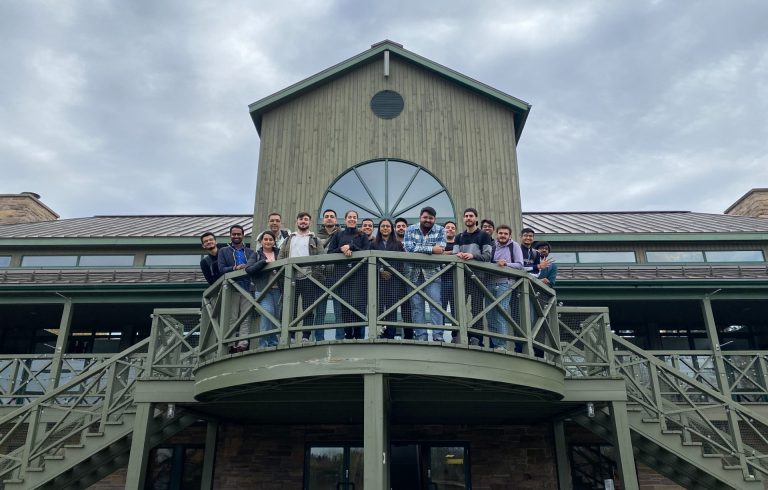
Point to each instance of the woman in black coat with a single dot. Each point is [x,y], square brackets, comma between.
[354,290]
[389,285]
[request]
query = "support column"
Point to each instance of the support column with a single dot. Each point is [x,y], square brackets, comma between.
[140,446]
[209,459]
[61,345]
[376,431]
[622,442]
[561,457]
[723,384]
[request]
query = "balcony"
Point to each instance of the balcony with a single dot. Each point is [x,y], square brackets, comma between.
[499,331]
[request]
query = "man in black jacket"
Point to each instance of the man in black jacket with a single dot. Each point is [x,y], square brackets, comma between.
[473,244]
[209,264]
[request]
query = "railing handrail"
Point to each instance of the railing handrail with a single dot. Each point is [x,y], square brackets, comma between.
[725,400]
[74,381]
[399,256]
[49,355]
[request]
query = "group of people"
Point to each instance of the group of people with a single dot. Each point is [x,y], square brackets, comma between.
[480,241]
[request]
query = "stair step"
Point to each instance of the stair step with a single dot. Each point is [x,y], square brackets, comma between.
[114,422]
[36,469]
[53,457]
[14,481]
[74,446]
[692,443]
[672,431]
[650,420]
[94,434]
[710,455]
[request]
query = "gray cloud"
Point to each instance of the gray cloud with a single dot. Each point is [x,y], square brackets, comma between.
[139,108]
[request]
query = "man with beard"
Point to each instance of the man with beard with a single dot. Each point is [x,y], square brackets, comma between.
[275,225]
[367,228]
[547,274]
[329,228]
[473,244]
[233,258]
[532,261]
[210,262]
[304,243]
[506,253]
[401,224]
[426,238]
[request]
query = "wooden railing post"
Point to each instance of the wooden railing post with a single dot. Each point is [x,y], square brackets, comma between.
[225,316]
[460,301]
[33,424]
[289,290]
[373,299]
[108,395]
[723,384]
[61,345]
[525,316]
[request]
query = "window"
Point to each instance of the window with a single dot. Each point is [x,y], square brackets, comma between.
[175,467]
[49,261]
[413,465]
[606,257]
[388,189]
[105,261]
[735,256]
[5,261]
[333,467]
[173,260]
[564,257]
[689,256]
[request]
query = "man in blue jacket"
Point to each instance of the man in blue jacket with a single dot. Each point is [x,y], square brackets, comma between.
[233,258]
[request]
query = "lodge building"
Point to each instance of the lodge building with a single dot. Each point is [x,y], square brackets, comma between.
[646,367]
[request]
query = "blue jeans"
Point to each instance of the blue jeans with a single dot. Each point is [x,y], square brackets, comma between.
[418,303]
[270,302]
[496,321]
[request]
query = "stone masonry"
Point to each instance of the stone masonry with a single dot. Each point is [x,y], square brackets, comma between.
[24,208]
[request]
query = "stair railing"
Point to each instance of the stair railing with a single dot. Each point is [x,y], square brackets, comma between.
[85,405]
[174,343]
[702,414]
[674,399]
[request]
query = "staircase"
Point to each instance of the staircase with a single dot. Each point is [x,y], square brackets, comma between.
[99,454]
[684,462]
[685,430]
[81,432]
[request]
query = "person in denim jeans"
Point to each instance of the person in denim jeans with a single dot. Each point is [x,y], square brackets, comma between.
[506,253]
[426,238]
[270,299]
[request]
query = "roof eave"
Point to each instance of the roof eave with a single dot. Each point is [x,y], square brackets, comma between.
[260,107]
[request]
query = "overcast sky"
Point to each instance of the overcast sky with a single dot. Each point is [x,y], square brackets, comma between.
[141,107]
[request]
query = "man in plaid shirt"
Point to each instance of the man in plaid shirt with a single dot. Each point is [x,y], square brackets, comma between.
[426,238]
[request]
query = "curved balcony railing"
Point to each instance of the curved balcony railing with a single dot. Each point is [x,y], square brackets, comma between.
[374,297]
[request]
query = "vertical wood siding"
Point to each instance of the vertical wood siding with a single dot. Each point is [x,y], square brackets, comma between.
[464,139]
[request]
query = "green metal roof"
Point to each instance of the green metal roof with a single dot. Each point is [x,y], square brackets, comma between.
[518,107]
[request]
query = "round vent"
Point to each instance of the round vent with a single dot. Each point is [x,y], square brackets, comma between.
[387,104]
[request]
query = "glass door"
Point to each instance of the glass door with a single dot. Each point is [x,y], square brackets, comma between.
[429,467]
[447,468]
[334,468]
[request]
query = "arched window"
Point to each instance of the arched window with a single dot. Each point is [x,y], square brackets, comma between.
[388,189]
